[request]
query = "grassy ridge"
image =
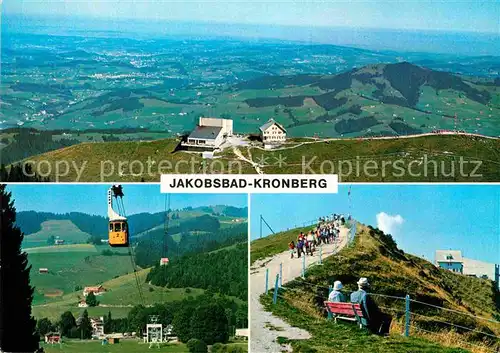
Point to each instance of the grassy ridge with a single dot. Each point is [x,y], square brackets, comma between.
[395,273]
[112,161]
[443,150]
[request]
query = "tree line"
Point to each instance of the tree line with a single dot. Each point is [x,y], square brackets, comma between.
[28,143]
[19,173]
[156,244]
[224,271]
[210,317]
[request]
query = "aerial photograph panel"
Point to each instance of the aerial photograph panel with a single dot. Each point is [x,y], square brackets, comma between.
[101,91]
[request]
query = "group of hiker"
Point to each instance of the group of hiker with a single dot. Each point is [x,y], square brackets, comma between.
[375,320]
[327,231]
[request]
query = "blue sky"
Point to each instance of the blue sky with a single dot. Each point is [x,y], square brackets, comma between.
[463,217]
[91,199]
[448,15]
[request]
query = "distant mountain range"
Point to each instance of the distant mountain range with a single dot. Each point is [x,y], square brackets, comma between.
[41,225]
[388,99]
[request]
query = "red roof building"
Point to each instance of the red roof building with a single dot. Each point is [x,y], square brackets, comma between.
[97,290]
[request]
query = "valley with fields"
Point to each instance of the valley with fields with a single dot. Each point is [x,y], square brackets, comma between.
[67,98]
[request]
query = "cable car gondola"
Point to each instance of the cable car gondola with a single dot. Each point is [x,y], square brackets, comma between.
[118,235]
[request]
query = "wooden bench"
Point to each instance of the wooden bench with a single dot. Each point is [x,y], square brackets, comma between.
[345,311]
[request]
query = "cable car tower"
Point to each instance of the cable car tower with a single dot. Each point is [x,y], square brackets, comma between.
[154,331]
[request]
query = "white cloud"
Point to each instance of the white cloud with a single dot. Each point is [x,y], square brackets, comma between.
[387,223]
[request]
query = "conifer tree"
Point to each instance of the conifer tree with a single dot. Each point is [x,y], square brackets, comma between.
[17,326]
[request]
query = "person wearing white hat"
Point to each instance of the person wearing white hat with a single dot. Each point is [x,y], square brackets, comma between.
[360,297]
[373,318]
[336,295]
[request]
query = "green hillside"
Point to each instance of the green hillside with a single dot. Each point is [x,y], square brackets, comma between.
[224,271]
[64,229]
[77,228]
[121,295]
[73,266]
[394,273]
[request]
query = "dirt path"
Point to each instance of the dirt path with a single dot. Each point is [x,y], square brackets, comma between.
[264,327]
[240,156]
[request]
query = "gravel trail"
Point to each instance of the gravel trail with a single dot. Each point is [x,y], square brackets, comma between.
[264,327]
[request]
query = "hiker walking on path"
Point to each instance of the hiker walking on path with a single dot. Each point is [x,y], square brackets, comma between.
[310,243]
[300,244]
[291,246]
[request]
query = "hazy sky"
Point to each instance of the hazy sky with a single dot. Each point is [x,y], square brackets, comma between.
[422,218]
[475,15]
[92,199]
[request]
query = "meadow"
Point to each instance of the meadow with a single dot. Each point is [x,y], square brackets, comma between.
[71,267]
[72,234]
[124,346]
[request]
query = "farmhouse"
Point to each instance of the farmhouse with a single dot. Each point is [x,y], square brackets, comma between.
[164,261]
[272,132]
[59,242]
[97,290]
[209,134]
[83,304]
[454,261]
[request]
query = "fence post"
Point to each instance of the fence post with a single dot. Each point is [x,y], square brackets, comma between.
[275,296]
[281,274]
[320,254]
[330,289]
[407,316]
[267,279]
[303,266]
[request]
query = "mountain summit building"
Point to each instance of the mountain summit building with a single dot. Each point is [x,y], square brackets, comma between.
[453,260]
[209,134]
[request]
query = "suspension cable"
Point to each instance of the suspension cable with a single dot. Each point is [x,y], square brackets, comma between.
[166,225]
[121,209]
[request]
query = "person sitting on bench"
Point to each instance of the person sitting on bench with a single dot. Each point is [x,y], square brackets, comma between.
[336,296]
[375,320]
